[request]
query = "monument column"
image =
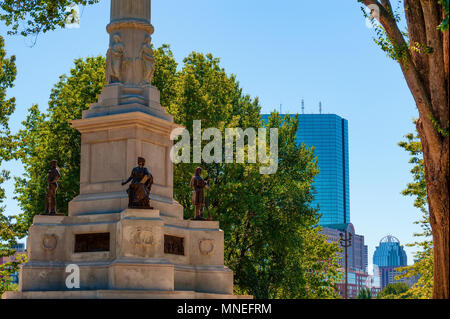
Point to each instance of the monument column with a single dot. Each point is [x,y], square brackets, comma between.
[127,122]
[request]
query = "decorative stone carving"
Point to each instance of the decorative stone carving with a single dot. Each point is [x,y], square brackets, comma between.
[173,245]
[142,236]
[49,242]
[148,60]
[114,60]
[206,246]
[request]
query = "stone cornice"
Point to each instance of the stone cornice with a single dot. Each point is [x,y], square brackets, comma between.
[130,24]
[115,121]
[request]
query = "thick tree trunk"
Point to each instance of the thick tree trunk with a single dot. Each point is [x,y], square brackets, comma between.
[437,179]
[426,73]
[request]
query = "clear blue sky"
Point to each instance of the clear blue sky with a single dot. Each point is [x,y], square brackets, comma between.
[281,51]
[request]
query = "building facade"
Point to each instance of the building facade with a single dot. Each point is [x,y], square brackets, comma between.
[20,249]
[388,256]
[357,262]
[327,135]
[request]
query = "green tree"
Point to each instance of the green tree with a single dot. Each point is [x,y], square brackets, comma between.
[394,291]
[48,136]
[364,293]
[36,16]
[423,266]
[423,55]
[271,241]
[8,234]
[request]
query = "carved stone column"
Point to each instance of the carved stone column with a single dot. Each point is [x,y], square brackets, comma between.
[127,122]
[130,63]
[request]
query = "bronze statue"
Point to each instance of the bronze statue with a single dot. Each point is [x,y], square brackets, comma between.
[52,179]
[140,187]
[198,185]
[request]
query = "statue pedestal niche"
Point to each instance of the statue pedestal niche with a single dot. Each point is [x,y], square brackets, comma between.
[136,253]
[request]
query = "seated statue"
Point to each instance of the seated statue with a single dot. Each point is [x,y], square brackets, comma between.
[141,184]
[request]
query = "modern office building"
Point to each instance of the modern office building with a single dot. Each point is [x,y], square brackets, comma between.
[388,256]
[328,134]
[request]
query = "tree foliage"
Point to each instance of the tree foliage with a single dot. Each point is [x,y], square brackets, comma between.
[8,233]
[271,242]
[8,73]
[364,293]
[37,16]
[423,266]
[47,136]
[394,291]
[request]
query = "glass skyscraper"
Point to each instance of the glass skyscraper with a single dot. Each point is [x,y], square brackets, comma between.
[388,256]
[328,134]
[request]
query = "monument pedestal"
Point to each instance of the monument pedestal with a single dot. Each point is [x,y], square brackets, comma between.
[136,253]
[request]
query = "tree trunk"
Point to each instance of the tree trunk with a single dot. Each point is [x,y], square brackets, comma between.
[437,179]
[426,73]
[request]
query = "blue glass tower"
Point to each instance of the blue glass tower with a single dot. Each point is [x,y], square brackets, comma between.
[328,134]
[390,253]
[388,256]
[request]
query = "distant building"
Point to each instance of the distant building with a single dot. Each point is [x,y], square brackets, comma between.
[328,134]
[20,249]
[388,256]
[357,259]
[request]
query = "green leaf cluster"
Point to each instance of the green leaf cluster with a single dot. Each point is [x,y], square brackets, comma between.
[394,291]
[364,293]
[423,266]
[8,231]
[49,135]
[29,17]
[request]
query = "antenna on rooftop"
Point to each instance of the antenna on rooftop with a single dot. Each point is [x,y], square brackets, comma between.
[303,106]
[281,108]
[320,107]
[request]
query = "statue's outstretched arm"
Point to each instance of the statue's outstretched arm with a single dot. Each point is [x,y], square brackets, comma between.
[128,180]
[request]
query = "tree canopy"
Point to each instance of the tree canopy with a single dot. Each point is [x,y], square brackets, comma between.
[8,233]
[32,17]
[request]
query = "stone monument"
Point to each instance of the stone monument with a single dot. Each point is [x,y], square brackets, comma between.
[122,252]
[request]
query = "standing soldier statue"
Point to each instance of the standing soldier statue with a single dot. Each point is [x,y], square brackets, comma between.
[52,180]
[198,185]
[141,184]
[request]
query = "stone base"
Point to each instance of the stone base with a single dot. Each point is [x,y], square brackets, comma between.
[118,294]
[118,98]
[137,253]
